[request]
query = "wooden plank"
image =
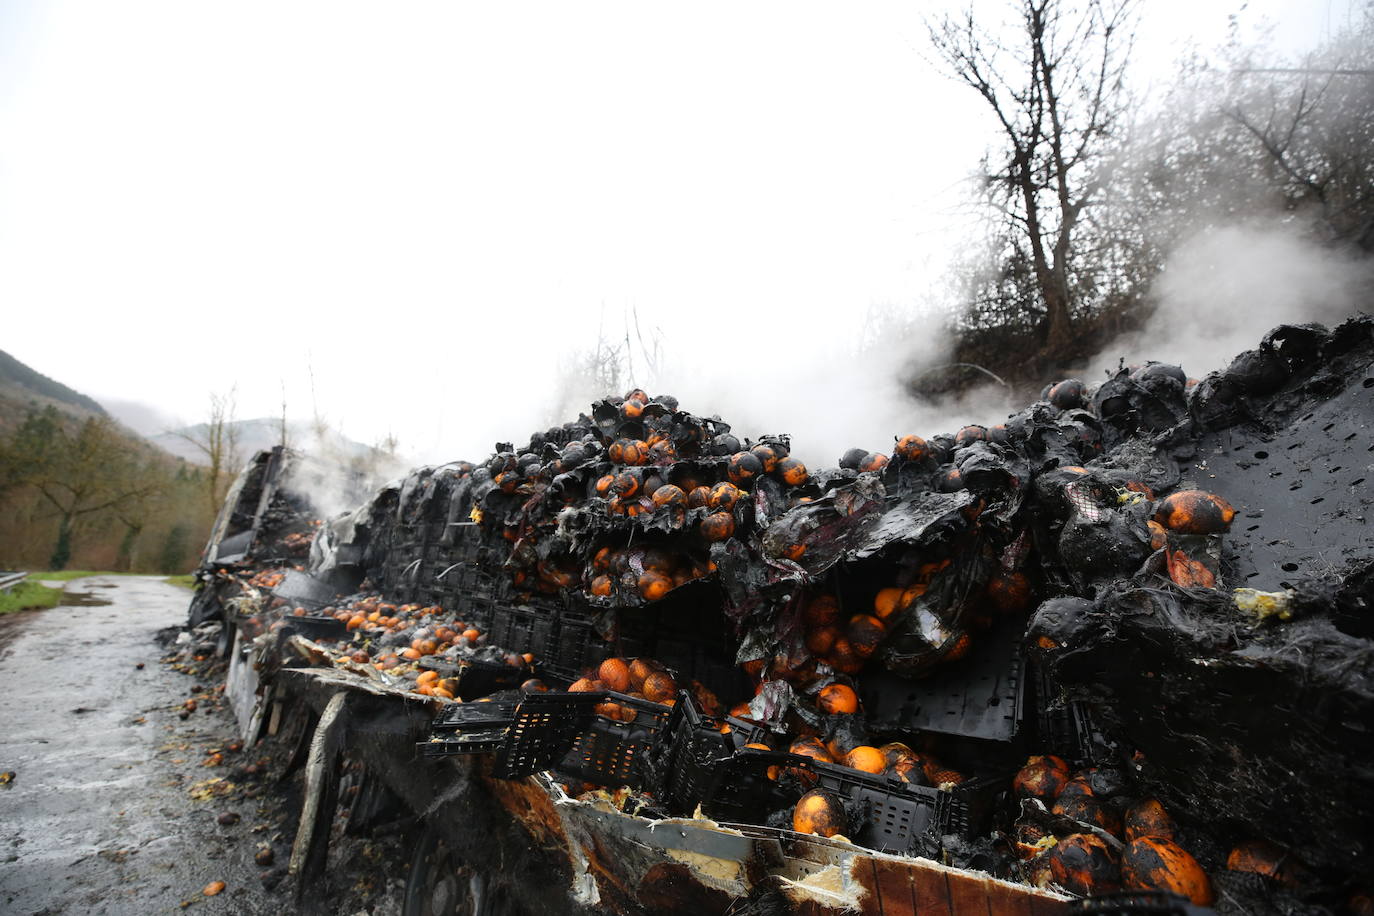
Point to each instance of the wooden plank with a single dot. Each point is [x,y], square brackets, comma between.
[968,894]
[894,887]
[1005,900]
[932,891]
[309,854]
[1042,905]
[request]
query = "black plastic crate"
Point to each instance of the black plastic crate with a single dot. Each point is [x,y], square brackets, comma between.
[435,530]
[576,646]
[563,732]
[457,717]
[403,577]
[897,817]
[463,581]
[469,547]
[711,664]
[465,745]
[1065,727]
[614,753]
[523,628]
[542,730]
[475,610]
[476,740]
[479,727]
[427,593]
[694,766]
[737,790]
[687,761]
[982,696]
[967,809]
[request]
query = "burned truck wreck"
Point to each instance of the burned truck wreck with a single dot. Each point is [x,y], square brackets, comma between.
[1118,647]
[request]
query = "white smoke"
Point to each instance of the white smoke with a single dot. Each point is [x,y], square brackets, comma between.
[842,389]
[337,474]
[1223,288]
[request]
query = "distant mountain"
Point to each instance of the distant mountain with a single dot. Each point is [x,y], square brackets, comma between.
[22,389]
[251,436]
[144,419]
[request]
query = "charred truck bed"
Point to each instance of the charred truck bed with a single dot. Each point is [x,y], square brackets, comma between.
[1118,647]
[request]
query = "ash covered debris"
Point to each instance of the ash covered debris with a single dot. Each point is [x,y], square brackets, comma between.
[1149,595]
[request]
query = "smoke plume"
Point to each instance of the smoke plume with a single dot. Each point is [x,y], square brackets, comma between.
[1223,288]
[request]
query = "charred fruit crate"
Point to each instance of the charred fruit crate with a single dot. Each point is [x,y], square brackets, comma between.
[470,728]
[890,815]
[458,582]
[403,576]
[895,816]
[576,646]
[982,697]
[682,635]
[522,628]
[1065,727]
[967,809]
[613,752]
[460,542]
[714,666]
[477,678]
[695,767]
[568,733]
[542,730]
[470,594]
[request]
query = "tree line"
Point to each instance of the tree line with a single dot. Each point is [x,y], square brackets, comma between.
[82,492]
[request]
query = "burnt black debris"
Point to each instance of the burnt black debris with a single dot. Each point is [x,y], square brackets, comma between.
[1164,582]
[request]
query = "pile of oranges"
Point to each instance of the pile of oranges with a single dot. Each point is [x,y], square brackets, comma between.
[267,578]
[640,678]
[649,572]
[642,468]
[394,638]
[1084,861]
[847,645]
[699,509]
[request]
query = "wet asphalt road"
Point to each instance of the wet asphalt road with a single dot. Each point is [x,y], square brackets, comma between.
[110,810]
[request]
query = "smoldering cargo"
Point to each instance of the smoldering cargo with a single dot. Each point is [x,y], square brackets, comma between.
[1120,641]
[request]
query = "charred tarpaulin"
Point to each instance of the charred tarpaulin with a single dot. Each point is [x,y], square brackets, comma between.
[1260,727]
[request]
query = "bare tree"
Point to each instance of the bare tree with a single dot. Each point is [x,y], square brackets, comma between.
[586,374]
[1055,90]
[217,440]
[1246,137]
[650,351]
[282,425]
[1311,126]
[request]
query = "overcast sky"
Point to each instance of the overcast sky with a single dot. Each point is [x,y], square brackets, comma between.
[427,205]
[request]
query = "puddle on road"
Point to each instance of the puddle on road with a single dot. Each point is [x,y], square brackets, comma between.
[82,599]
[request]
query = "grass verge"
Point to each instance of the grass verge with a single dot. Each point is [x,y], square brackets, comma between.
[28,596]
[66,575]
[187,581]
